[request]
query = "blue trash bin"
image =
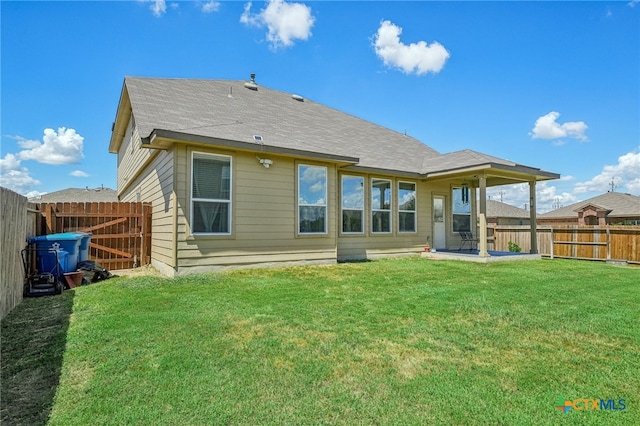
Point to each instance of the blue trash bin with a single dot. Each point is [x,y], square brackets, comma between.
[49,263]
[83,251]
[68,242]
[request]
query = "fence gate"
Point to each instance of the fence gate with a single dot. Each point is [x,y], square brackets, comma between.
[121,231]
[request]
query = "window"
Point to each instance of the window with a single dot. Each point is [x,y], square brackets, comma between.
[406,207]
[211,194]
[461,210]
[352,204]
[438,210]
[312,199]
[591,220]
[380,205]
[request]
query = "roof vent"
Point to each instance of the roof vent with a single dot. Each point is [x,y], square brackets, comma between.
[251,85]
[298,98]
[257,138]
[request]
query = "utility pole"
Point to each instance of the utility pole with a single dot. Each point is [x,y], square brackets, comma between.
[613,185]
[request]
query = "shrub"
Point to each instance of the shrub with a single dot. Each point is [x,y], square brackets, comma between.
[513,247]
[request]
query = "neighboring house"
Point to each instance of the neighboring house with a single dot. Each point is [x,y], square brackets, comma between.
[499,213]
[240,175]
[611,208]
[78,195]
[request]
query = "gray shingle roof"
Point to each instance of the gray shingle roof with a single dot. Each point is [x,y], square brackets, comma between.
[78,195]
[619,203]
[204,108]
[462,159]
[498,209]
[226,110]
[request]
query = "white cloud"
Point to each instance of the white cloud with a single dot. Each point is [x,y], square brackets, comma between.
[625,175]
[547,127]
[246,17]
[419,58]
[34,194]
[548,197]
[8,163]
[158,7]
[79,173]
[61,147]
[632,3]
[285,22]
[211,6]
[14,176]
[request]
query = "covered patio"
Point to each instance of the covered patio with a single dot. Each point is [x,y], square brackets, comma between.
[471,173]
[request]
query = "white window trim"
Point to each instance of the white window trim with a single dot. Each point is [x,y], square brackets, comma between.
[325,205]
[212,200]
[390,210]
[342,209]
[414,211]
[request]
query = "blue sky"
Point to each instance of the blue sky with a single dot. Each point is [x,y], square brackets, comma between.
[553,85]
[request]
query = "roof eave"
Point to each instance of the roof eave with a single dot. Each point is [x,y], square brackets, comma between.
[524,171]
[382,171]
[123,113]
[164,139]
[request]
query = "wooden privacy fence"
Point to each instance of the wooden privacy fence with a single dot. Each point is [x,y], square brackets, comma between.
[18,223]
[609,243]
[121,232]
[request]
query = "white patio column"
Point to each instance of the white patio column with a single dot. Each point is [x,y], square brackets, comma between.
[482,243]
[532,217]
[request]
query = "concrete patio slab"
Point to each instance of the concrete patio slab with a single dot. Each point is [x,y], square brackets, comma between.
[473,256]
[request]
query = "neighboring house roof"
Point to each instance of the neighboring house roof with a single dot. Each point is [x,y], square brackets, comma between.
[227,113]
[619,204]
[498,209]
[78,195]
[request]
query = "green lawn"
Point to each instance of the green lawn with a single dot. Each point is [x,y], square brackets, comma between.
[396,341]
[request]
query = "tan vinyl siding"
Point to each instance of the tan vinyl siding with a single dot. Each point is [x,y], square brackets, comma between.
[155,185]
[264,220]
[131,158]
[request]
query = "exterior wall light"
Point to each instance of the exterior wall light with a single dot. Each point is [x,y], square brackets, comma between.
[265,162]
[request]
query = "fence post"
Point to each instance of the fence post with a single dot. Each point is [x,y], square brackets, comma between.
[50,212]
[551,243]
[608,244]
